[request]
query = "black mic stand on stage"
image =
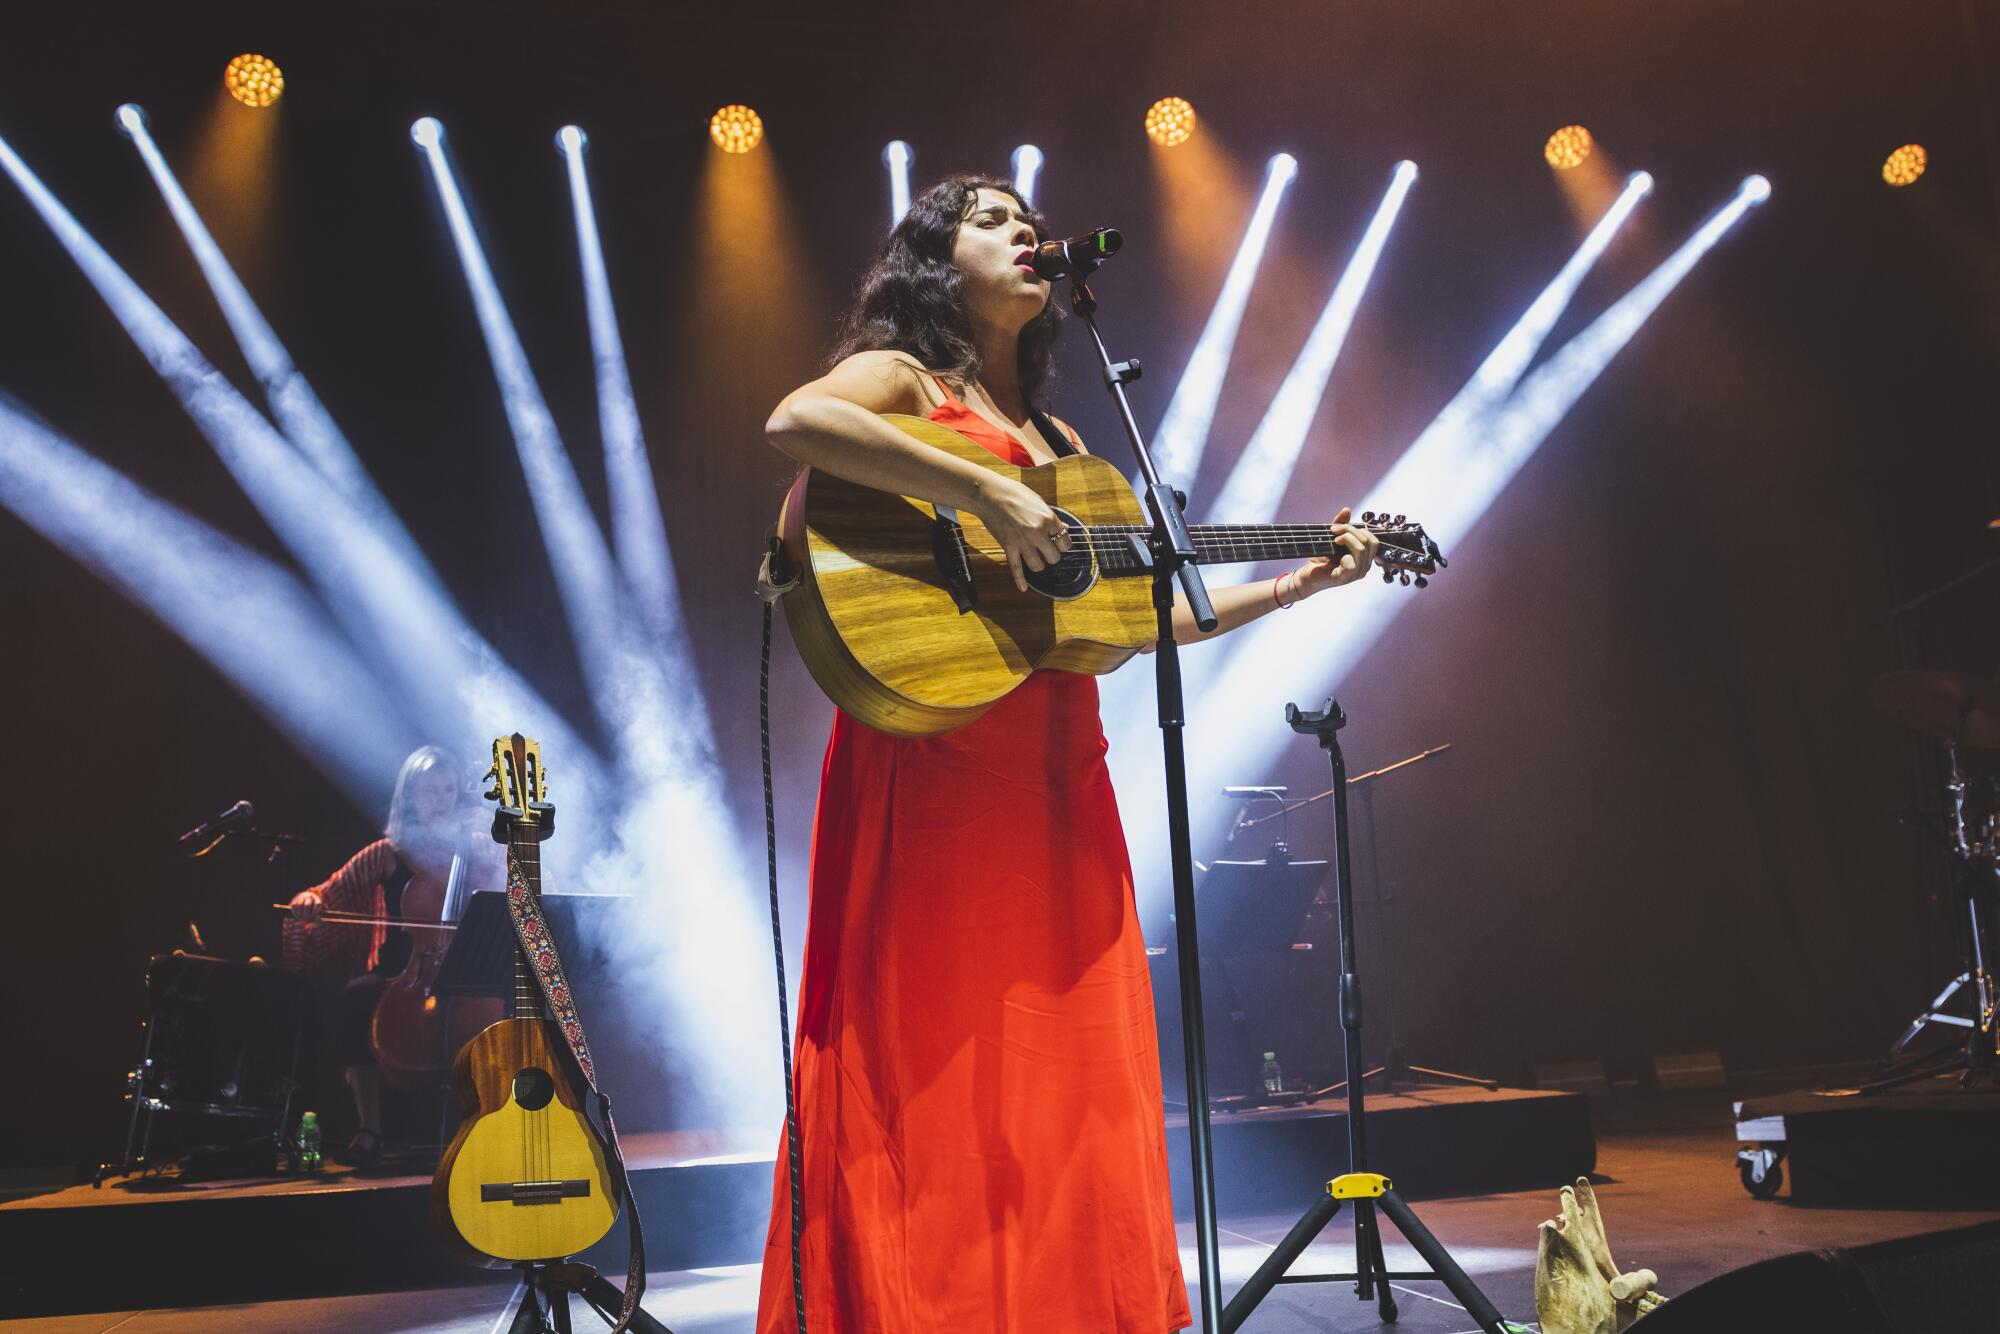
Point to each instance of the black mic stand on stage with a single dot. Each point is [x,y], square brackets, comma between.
[1172,554]
[1367,1190]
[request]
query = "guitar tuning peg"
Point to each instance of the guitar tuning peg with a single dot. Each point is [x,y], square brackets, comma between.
[1406,578]
[1399,521]
[1368,516]
[1423,582]
[1388,575]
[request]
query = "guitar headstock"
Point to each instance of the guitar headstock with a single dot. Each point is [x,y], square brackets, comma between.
[521,786]
[1405,550]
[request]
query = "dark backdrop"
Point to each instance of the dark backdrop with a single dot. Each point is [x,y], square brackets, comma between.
[1670,820]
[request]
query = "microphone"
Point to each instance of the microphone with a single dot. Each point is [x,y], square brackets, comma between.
[210,832]
[1078,255]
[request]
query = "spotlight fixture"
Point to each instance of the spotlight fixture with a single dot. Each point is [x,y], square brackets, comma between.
[131,117]
[1567,147]
[254,80]
[571,139]
[898,156]
[1905,165]
[426,132]
[1027,169]
[1169,121]
[736,128]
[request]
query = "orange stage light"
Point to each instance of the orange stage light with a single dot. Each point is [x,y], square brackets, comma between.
[1567,147]
[1905,165]
[1169,121]
[736,128]
[254,80]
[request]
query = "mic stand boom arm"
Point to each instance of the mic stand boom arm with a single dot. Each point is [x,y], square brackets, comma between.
[1173,557]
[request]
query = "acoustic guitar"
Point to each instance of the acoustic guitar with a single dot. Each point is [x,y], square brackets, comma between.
[907,615]
[527,1177]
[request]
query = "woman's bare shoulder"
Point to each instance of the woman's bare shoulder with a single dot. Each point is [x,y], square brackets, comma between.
[883,380]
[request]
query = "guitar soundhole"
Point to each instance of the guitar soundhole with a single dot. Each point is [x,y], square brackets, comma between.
[533,1089]
[1072,576]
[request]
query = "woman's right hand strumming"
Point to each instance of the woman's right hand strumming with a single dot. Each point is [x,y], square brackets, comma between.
[306,905]
[1028,529]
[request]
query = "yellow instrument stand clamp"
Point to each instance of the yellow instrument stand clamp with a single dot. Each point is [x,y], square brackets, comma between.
[1358,1186]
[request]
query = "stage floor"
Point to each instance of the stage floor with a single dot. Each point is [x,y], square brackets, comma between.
[1671,1200]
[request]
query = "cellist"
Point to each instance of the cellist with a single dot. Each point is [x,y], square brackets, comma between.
[399,877]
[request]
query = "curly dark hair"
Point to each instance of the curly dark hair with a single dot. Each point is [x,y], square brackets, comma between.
[911,299]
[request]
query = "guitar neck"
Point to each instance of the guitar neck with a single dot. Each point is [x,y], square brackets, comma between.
[1217,544]
[525,850]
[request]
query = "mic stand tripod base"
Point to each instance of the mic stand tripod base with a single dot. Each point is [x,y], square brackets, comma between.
[547,1286]
[1369,1191]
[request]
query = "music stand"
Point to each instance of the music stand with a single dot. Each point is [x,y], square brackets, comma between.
[1254,913]
[480,959]
[1258,906]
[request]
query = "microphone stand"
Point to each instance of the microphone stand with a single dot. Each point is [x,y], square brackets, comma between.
[1172,556]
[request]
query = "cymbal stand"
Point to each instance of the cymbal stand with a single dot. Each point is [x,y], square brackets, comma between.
[1975,870]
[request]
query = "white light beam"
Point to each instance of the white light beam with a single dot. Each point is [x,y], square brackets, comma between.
[1449,484]
[1183,434]
[1263,471]
[258,625]
[638,531]
[1027,170]
[898,157]
[381,602]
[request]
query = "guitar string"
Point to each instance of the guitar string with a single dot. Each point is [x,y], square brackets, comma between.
[1294,543]
[1116,537]
[530,1124]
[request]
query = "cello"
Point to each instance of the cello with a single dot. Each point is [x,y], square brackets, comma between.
[415,1035]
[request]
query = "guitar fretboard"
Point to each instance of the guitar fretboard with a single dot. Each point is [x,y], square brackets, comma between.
[1218,544]
[524,849]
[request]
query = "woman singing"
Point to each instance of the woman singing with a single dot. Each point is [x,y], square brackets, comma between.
[979,1091]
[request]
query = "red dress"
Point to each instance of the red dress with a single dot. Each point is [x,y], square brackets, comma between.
[978,1085]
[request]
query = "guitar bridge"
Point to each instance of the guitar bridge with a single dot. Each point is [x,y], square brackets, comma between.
[948,549]
[532,1192]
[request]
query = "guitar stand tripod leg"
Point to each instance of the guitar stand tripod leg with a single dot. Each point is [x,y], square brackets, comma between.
[1369,1192]
[546,1289]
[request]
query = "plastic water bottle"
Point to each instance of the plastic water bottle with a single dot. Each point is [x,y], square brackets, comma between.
[309,1142]
[1274,1078]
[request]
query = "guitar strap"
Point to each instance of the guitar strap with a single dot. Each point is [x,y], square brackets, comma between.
[1057,437]
[531,929]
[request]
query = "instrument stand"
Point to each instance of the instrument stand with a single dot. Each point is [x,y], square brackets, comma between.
[1396,1072]
[1367,1190]
[475,963]
[547,1286]
[1171,552]
[1974,1059]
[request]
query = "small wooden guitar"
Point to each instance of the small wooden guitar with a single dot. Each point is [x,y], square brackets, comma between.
[527,1177]
[908,616]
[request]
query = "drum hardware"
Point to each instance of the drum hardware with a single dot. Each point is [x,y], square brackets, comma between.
[1959,710]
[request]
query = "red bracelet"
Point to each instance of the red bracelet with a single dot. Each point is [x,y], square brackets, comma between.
[1282,605]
